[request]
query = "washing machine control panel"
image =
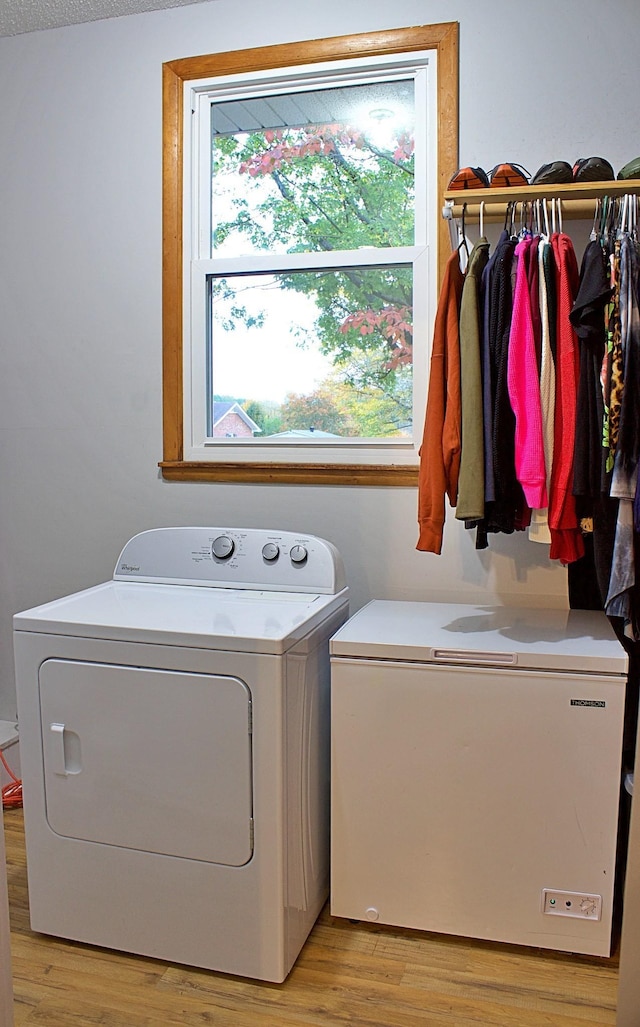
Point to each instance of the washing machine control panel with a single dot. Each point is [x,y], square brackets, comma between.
[233,558]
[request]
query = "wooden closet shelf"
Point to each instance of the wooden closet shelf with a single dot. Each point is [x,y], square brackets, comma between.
[577,198]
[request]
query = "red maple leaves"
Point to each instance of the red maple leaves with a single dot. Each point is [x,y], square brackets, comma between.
[285,145]
[393,324]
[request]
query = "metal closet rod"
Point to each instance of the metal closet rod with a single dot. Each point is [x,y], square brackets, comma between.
[571,209]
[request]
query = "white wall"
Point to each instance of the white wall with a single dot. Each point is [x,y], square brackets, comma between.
[80,281]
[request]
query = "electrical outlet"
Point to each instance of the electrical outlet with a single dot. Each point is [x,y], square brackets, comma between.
[578,904]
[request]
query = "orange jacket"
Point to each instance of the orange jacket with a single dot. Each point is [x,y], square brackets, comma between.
[440,450]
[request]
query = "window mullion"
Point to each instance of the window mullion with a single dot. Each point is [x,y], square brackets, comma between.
[263,263]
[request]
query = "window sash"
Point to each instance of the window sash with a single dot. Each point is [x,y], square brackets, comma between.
[204,263]
[202,100]
[196,368]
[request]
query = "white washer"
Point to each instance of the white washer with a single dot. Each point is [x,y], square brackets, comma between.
[174,739]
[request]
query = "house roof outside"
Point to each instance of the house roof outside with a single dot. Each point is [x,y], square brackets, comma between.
[221,410]
[305,433]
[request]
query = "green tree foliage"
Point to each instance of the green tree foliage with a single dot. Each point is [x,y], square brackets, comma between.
[331,189]
[317,410]
[266,415]
[371,409]
[326,188]
[350,410]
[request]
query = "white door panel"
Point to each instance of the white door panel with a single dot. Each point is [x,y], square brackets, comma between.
[148,759]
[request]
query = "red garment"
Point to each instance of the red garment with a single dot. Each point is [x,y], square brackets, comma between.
[566,539]
[441,440]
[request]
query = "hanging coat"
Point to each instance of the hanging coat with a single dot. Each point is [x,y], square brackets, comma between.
[488,385]
[566,540]
[524,385]
[546,306]
[506,513]
[470,505]
[440,449]
[589,320]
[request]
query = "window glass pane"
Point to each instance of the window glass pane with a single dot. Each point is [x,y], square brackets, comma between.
[311,354]
[327,169]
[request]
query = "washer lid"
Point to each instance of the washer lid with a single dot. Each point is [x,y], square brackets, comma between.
[237,620]
[581,641]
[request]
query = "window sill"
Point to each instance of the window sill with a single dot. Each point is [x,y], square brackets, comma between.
[291,474]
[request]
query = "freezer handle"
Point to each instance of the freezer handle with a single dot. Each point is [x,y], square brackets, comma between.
[474,656]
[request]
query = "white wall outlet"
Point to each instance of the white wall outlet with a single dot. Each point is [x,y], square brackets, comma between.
[578,904]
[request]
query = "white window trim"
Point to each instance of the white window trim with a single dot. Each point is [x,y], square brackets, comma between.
[197,261]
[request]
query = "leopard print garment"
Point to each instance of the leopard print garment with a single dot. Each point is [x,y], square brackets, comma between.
[616,379]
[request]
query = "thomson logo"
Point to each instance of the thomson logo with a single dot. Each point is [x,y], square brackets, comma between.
[600,703]
[128,569]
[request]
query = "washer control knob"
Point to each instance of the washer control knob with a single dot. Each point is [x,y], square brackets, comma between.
[223,547]
[270,551]
[298,554]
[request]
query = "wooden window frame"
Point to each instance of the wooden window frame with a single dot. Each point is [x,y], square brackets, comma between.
[443,38]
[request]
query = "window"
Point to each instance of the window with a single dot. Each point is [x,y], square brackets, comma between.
[300,225]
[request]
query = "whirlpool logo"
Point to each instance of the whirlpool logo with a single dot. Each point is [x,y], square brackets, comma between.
[600,703]
[126,568]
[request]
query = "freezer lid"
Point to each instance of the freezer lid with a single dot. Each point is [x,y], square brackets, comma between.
[236,620]
[581,641]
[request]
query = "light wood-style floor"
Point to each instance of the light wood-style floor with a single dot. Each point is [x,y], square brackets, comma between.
[357,975]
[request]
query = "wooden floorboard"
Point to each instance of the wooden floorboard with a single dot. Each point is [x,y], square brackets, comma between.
[348,975]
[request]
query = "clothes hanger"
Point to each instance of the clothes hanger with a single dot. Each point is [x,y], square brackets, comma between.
[631,214]
[523,225]
[545,214]
[462,245]
[514,214]
[628,216]
[481,219]
[607,222]
[537,217]
[556,214]
[508,217]
[622,217]
[597,215]
[615,215]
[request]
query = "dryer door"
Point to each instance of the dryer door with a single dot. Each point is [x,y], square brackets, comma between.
[153,760]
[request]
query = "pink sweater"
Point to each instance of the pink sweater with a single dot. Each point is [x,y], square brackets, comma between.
[524,389]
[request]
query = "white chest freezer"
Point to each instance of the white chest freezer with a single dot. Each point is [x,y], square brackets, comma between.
[476,771]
